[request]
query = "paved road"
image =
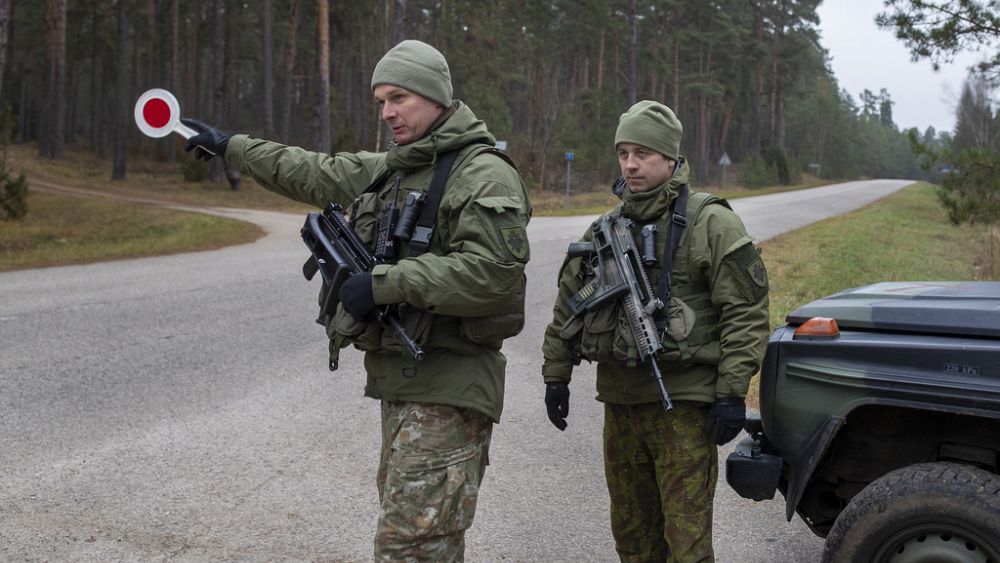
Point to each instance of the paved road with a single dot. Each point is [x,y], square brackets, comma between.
[178,407]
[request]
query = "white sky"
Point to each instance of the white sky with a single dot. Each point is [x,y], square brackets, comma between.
[864,56]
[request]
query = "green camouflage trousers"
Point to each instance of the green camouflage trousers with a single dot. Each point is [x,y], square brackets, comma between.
[652,454]
[433,460]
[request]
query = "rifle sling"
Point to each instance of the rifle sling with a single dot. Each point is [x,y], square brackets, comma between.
[424,230]
[675,231]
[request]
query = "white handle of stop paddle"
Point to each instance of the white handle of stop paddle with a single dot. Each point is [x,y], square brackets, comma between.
[187,133]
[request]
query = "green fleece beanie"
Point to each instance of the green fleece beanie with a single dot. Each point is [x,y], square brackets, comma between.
[652,125]
[419,68]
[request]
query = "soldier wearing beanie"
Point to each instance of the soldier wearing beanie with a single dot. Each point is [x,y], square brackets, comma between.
[713,330]
[460,280]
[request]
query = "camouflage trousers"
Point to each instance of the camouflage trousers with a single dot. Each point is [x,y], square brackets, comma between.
[651,454]
[433,461]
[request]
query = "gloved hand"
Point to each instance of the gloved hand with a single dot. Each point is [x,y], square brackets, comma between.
[557,403]
[208,139]
[725,419]
[357,295]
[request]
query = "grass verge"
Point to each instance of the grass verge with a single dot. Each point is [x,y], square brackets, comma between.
[146,179]
[599,200]
[61,230]
[904,237]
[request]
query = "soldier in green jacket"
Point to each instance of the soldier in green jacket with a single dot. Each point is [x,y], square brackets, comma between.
[713,344]
[462,297]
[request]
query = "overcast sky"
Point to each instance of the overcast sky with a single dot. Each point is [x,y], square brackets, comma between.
[864,56]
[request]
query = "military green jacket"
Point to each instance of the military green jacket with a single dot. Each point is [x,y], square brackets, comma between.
[462,293]
[717,271]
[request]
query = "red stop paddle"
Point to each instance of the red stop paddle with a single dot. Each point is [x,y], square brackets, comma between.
[157,114]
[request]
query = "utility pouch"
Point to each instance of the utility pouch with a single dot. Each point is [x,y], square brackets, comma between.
[680,319]
[345,329]
[623,344]
[597,338]
[492,330]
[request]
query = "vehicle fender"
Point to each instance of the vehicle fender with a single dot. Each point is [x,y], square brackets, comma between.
[802,465]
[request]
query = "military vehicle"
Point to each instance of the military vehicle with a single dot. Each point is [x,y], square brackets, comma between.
[880,422]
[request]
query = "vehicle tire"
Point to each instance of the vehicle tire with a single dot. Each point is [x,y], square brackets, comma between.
[929,512]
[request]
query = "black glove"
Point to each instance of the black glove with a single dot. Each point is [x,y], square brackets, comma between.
[357,296]
[725,419]
[619,187]
[557,403]
[208,139]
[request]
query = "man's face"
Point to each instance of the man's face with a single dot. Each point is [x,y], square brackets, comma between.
[409,115]
[643,168]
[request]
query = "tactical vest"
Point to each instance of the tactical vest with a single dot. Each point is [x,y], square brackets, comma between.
[692,333]
[464,335]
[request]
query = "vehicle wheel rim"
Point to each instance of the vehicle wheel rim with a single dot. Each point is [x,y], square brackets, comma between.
[936,543]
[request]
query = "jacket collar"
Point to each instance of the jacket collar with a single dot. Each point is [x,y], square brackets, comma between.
[456,128]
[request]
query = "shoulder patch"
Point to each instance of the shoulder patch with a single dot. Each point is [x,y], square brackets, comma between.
[516,239]
[748,268]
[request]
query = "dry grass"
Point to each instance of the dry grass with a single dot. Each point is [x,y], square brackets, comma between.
[600,199]
[145,178]
[61,230]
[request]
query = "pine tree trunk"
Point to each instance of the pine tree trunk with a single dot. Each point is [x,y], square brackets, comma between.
[324,140]
[174,78]
[703,116]
[600,61]
[69,123]
[124,81]
[268,72]
[4,41]
[54,132]
[218,88]
[290,51]
[675,78]
[398,28]
[633,35]
[757,128]
[231,85]
[192,65]
[95,83]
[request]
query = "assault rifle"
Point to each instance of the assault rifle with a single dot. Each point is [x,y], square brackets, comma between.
[338,253]
[619,275]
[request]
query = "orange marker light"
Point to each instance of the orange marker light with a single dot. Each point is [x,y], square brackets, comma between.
[818,328]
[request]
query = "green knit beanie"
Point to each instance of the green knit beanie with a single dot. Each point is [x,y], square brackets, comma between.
[652,125]
[419,68]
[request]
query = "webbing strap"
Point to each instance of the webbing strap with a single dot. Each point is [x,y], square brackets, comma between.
[678,222]
[422,233]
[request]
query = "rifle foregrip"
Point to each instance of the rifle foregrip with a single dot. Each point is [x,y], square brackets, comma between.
[580,249]
[310,268]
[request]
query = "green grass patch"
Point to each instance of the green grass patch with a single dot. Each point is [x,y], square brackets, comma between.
[61,230]
[904,237]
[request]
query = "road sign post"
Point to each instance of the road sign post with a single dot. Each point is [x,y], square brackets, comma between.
[569,162]
[724,162]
